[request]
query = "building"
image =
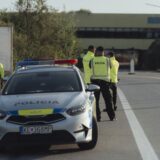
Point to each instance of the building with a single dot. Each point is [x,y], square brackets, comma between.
[119,31]
[124,33]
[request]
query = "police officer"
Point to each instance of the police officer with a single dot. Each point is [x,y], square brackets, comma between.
[1,74]
[80,60]
[86,59]
[101,76]
[114,77]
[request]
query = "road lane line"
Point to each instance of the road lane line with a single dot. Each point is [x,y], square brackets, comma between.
[146,150]
[134,76]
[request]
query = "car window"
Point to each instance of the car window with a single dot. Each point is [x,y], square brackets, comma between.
[82,76]
[43,82]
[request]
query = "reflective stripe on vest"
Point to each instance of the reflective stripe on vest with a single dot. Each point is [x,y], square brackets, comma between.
[101,68]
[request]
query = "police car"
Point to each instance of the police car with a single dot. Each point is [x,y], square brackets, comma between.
[48,104]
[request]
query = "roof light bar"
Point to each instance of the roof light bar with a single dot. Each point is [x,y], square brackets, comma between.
[26,63]
[47,62]
[66,61]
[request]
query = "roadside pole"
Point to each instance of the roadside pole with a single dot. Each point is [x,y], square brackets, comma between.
[132,64]
[132,67]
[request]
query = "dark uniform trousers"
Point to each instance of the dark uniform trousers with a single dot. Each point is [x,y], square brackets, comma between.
[107,95]
[113,87]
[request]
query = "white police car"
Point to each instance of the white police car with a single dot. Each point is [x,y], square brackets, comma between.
[45,105]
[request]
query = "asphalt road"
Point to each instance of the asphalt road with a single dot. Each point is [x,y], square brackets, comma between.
[134,136]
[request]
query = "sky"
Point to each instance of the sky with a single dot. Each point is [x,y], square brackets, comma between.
[98,6]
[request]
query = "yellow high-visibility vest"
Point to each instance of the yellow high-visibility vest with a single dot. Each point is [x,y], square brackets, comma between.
[1,71]
[114,70]
[87,69]
[101,68]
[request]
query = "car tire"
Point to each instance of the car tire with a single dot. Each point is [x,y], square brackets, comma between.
[91,144]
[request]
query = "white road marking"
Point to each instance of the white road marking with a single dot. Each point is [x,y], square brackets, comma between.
[146,150]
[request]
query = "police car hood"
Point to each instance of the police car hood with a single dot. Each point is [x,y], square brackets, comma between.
[43,100]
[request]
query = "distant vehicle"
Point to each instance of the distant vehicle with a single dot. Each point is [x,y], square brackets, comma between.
[45,105]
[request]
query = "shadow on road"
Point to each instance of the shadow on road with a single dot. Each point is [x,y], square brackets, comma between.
[33,153]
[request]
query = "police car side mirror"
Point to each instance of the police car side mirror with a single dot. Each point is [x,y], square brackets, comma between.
[5,79]
[92,88]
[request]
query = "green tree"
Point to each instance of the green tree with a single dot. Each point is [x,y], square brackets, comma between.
[40,31]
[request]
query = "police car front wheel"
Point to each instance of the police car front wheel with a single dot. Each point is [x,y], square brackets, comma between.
[93,142]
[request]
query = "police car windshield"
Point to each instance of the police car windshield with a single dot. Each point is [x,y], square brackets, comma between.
[43,82]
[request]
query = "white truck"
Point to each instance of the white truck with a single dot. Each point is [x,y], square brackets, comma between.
[6,47]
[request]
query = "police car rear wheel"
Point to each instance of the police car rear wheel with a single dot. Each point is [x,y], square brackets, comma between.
[93,142]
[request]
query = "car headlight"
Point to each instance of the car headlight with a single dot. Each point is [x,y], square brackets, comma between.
[73,111]
[2,114]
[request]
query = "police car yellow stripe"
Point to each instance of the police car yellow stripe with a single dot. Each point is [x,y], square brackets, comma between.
[35,112]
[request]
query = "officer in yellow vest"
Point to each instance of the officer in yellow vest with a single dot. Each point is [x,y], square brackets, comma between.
[114,77]
[86,59]
[101,76]
[1,74]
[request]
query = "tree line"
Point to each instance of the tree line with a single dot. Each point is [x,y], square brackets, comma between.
[40,32]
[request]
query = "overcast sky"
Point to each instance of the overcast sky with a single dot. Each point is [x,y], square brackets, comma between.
[98,6]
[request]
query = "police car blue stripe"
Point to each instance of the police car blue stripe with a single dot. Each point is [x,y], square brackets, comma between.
[15,113]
